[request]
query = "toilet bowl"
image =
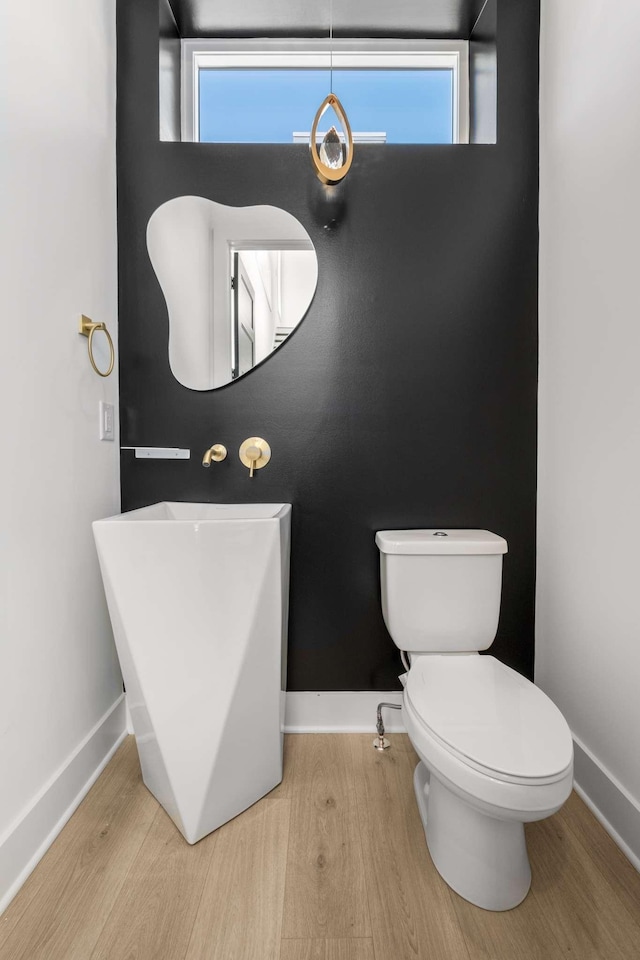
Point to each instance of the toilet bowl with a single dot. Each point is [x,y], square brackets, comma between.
[495,752]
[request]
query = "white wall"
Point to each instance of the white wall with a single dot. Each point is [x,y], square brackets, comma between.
[58,668]
[299,277]
[262,269]
[588,633]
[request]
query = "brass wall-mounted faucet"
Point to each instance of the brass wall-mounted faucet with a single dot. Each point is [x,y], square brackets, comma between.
[217,452]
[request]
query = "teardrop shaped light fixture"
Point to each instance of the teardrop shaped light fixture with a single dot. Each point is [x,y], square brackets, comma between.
[334,158]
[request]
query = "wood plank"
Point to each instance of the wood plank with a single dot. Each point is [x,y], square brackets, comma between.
[586,916]
[523,933]
[110,887]
[75,886]
[412,912]
[325,894]
[154,912]
[341,949]
[382,775]
[408,746]
[617,871]
[240,911]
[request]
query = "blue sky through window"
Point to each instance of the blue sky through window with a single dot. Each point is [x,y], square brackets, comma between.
[268,105]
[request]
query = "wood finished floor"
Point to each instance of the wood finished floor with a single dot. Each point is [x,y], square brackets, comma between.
[332,865]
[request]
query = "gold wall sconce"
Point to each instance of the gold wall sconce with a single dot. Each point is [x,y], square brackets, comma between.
[255,453]
[87,328]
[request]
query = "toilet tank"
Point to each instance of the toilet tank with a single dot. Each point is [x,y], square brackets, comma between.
[441,588]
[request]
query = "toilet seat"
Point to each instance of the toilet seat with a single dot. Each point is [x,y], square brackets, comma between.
[490,718]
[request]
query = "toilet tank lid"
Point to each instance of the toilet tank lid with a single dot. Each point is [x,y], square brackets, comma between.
[440,541]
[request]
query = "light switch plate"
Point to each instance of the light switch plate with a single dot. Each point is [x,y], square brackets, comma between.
[106,427]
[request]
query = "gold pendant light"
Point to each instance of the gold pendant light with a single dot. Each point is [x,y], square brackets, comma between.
[334,158]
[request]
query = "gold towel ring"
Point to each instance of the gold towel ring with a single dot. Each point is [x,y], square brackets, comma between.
[87,329]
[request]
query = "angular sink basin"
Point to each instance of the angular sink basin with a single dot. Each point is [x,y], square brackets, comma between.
[198,597]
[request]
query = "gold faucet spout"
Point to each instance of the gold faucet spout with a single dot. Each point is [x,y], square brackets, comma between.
[217,452]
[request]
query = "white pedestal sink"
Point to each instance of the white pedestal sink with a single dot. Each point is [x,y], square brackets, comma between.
[198,596]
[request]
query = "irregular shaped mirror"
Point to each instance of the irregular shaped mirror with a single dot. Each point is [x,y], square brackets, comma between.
[237,281]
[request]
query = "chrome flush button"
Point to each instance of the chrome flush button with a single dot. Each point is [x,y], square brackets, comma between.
[440,533]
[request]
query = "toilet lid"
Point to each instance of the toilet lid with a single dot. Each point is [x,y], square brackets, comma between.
[490,715]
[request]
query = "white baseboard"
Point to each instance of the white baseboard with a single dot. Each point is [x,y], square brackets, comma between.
[614,807]
[27,840]
[340,711]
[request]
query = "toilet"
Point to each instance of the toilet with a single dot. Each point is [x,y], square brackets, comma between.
[495,752]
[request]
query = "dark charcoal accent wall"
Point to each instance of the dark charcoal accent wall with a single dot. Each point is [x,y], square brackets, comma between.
[433,19]
[407,397]
[483,76]
[169,74]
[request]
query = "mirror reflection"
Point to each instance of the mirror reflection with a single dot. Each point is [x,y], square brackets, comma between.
[237,281]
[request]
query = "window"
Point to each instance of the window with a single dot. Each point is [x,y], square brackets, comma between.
[268,91]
